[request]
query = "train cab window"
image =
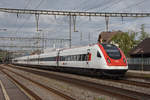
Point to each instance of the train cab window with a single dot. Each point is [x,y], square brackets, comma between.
[98,54]
[112,51]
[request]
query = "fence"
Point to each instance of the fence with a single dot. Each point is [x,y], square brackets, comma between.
[139,64]
[144,61]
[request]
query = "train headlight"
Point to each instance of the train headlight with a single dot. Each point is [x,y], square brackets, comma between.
[124,60]
[108,60]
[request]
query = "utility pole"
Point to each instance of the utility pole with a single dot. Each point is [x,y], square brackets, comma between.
[70,31]
[37,21]
[80,37]
[107,22]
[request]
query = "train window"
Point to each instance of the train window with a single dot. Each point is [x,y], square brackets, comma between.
[66,58]
[46,59]
[60,58]
[75,57]
[98,54]
[69,58]
[84,57]
[80,57]
[63,58]
[112,51]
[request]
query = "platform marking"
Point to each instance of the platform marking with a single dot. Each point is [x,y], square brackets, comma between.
[4,91]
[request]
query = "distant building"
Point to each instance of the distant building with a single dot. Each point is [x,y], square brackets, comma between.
[105,37]
[36,52]
[142,49]
[140,56]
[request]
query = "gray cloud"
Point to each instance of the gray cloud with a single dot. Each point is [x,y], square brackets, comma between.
[24,25]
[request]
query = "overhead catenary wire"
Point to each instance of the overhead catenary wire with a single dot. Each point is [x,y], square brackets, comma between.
[21,26]
[28,17]
[26,6]
[132,5]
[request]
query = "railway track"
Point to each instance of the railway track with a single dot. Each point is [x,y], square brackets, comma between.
[34,96]
[30,92]
[97,86]
[133,82]
[141,79]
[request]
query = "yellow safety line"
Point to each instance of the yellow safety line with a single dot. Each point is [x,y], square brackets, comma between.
[4,91]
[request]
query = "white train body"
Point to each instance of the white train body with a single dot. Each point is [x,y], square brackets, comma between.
[98,57]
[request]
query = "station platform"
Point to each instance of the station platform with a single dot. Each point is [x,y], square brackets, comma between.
[9,90]
[138,73]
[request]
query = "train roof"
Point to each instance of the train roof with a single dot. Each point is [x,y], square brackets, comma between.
[50,50]
[75,47]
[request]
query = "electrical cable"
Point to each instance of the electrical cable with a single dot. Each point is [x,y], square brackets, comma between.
[29,16]
[133,5]
[27,4]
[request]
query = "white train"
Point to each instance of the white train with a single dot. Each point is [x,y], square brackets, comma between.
[101,59]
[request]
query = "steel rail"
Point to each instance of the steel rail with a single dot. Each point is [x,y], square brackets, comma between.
[43,86]
[128,94]
[28,91]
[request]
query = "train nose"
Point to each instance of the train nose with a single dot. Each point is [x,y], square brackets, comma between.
[116,62]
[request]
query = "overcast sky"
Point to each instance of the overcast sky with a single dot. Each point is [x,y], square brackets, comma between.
[25,25]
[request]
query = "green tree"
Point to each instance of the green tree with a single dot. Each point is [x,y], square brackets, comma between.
[125,40]
[133,38]
[4,56]
[143,34]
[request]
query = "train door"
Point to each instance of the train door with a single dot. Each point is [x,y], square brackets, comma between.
[88,57]
[99,61]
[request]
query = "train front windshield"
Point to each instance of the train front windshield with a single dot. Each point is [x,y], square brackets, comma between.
[112,51]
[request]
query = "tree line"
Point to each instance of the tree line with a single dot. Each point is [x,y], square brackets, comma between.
[128,40]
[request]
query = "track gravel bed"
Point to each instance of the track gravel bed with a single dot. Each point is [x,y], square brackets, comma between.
[79,93]
[41,92]
[136,94]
